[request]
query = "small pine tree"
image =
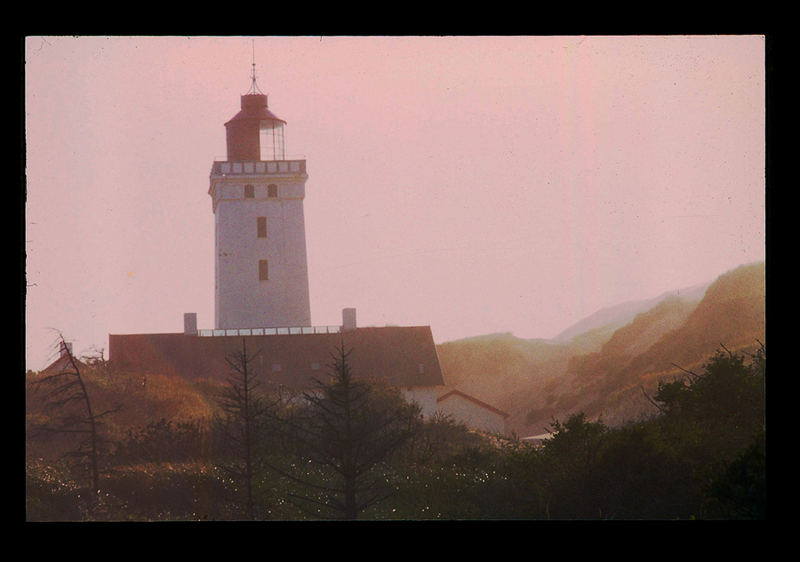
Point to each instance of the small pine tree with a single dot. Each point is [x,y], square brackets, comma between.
[245,409]
[346,430]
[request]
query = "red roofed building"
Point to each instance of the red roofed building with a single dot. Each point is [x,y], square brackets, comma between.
[404,357]
[65,361]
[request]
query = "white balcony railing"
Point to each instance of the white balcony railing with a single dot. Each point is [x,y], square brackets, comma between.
[220,168]
[293,330]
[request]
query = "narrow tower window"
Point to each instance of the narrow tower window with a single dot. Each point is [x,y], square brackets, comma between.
[263,270]
[249,191]
[272,190]
[261,223]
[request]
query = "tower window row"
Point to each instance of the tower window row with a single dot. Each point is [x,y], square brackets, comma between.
[250,191]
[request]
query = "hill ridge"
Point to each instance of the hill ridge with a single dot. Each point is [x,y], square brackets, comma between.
[602,369]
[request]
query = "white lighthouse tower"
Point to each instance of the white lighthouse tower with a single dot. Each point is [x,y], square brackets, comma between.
[261,271]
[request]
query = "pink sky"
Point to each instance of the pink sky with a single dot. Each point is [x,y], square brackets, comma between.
[473,184]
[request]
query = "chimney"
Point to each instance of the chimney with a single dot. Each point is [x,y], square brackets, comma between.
[190,324]
[348,319]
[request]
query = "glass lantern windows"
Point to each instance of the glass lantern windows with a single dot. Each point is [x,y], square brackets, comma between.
[271,140]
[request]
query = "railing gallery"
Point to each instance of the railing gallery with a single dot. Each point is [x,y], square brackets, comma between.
[259,167]
[271,331]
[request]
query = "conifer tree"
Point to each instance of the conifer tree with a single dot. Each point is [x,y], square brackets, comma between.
[347,429]
[245,408]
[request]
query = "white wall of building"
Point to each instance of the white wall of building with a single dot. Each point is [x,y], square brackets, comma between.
[242,299]
[424,396]
[473,415]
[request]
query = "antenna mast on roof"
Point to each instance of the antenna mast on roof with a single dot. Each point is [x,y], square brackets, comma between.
[254,89]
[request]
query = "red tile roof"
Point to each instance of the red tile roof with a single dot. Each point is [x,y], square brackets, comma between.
[61,365]
[400,356]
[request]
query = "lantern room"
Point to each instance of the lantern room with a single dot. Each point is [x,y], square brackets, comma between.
[255,133]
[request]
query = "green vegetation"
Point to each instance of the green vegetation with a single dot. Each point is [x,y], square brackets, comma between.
[356,450]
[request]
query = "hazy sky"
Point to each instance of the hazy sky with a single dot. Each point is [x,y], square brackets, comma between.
[473,184]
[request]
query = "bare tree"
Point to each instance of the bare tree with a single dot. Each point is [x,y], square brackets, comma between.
[67,400]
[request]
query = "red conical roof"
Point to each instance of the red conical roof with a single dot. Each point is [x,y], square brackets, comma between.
[254,107]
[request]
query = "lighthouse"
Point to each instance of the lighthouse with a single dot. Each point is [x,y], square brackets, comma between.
[257,194]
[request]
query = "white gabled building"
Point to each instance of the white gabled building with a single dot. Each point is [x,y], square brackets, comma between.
[472,412]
